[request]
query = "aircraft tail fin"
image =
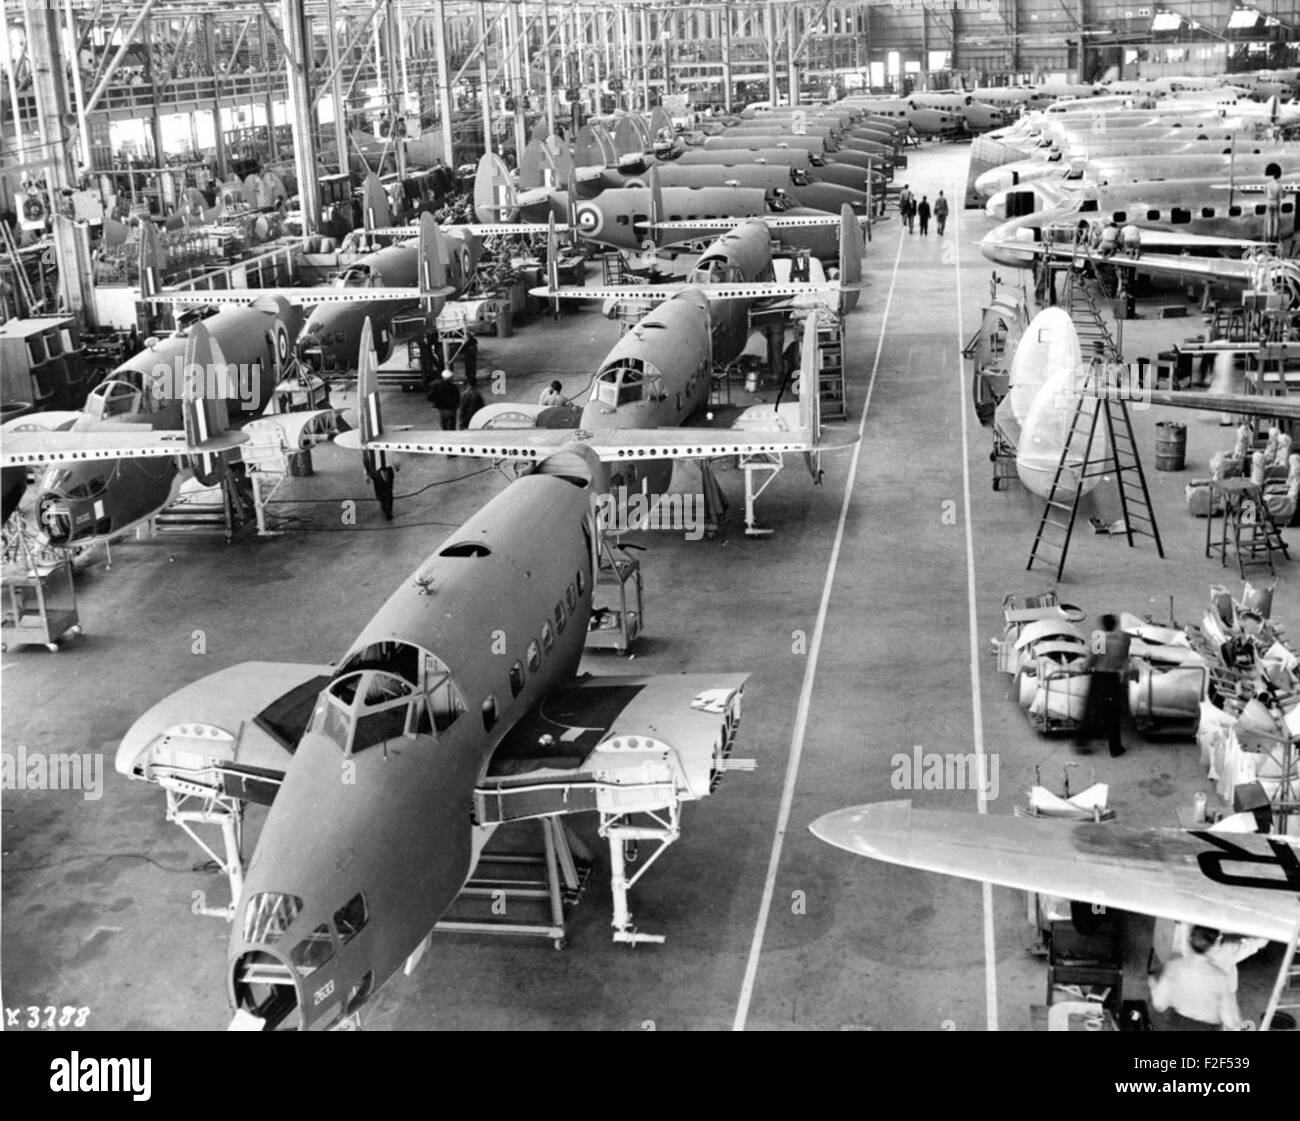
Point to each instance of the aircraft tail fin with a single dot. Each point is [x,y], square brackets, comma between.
[153,259]
[851,250]
[572,217]
[205,414]
[434,256]
[374,204]
[370,422]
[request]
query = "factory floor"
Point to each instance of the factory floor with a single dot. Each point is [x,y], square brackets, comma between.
[864,622]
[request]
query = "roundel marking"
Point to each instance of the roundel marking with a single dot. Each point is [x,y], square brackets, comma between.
[589,220]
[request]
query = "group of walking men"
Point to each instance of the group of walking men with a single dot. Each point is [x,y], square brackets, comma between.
[912,211]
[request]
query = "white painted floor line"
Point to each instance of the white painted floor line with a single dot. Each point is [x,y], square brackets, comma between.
[809,676]
[977,711]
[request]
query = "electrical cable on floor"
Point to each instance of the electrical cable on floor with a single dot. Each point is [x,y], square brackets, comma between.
[43,866]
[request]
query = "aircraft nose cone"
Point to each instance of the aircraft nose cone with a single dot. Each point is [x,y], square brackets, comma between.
[55,518]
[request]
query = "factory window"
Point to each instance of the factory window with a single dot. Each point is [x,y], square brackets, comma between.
[516,679]
[351,917]
[560,618]
[489,713]
[534,657]
[1179,216]
[313,951]
[1153,216]
[268,916]
[548,637]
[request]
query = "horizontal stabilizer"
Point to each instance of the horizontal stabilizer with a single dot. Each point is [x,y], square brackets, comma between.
[612,446]
[772,221]
[644,292]
[303,297]
[24,449]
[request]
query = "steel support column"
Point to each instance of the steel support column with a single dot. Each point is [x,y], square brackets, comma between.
[71,239]
[792,51]
[769,33]
[726,59]
[336,84]
[297,41]
[645,60]
[485,94]
[393,84]
[444,80]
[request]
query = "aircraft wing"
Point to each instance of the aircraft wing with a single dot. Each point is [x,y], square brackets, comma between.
[298,296]
[233,731]
[483,229]
[1246,404]
[645,292]
[772,221]
[623,744]
[612,446]
[1244,883]
[27,449]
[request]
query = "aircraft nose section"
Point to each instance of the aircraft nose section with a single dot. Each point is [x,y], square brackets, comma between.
[55,518]
[265,989]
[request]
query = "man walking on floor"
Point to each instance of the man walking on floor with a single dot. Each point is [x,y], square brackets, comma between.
[940,213]
[923,212]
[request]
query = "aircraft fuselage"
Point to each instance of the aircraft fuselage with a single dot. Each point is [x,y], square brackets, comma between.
[370,838]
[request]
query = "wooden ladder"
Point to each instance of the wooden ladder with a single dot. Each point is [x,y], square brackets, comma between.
[1286,989]
[1056,526]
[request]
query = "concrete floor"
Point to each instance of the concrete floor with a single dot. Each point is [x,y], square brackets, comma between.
[97,894]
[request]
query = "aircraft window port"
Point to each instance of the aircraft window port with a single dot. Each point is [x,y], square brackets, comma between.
[516,679]
[624,219]
[1088,206]
[630,387]
[534,657]
[313,951]
[351,918]
[560,618]
[578,579]
[489,713]
[570,598]
[1153,216]
[1207,212]
[1119,217]
[548,637]
[1234,212]
[379,727]
[466,549]
[268,916]
[1260,208]
[1287,207]
[358,995]
[1179,216]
